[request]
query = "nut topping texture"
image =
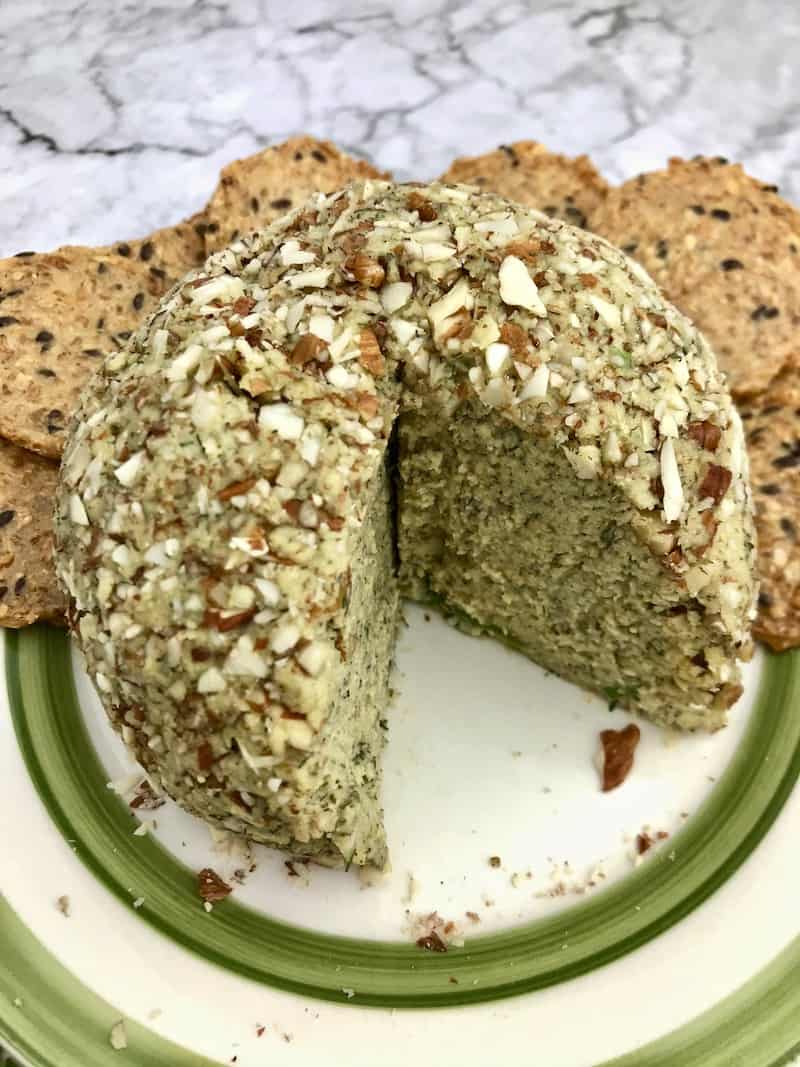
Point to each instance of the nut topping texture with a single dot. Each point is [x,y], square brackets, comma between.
[224,520]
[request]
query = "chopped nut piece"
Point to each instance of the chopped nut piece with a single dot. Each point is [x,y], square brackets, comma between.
[371,357]
[64,906]
[211,887]
[424,208]
[716,483]
[515,337]
[236,489]
[494,861]
[706,434]
[616,754]
[431,942]
[365,270]
[307,349]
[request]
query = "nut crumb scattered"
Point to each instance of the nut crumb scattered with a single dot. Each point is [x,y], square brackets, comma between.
[615,756]
[473,916]
[211,887]
[645,840]
[412,888]
[349,993]
[494,861]
[64,906]
[431,942]
[118,1038]
[138,903]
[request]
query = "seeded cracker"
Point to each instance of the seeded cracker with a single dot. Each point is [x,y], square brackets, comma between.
[28,587]
[726,249]
[570,475]
[253,191]
[772,425]
[61,311]
[560,186]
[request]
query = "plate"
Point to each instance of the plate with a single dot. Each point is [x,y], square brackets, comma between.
[656,924]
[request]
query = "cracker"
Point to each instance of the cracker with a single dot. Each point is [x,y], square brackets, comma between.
[751,321]
[28,588]
[726,249]
[253,191]
[564,188]
[61,311]
[772,425]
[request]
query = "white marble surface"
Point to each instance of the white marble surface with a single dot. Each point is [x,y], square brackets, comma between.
[115,117]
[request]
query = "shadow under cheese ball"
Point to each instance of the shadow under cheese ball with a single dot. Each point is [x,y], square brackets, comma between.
[568,475]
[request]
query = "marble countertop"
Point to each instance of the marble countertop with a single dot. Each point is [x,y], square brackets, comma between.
[115,117]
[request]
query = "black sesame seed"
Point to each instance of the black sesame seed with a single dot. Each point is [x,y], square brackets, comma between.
[3,591]
[254,204]
[102,268]
[23,255]
[789,528]
[631,247]
[123,335]
[10,293]
[662,249]
[575,215]
[45,372]
[298,156]
[771,313]
[19,585]
[93,353]
[790,460]
[45,339]
[7,320]
[200,228]
[732,264]
[319,156]
[512,155]
[213,227]
[6,516]
[146,251]
[283,203]
[138,301]
[157,272]
[770,489]
[764,600]
[720,159]
[698,209]
[720,213]
[123,249]
[770,188]
[758,313]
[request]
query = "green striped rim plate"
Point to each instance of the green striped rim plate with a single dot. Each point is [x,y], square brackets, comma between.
[699,941]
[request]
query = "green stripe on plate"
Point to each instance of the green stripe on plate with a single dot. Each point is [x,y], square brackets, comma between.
[72,785]
[59,1022]
[51,1019]
[757,1026]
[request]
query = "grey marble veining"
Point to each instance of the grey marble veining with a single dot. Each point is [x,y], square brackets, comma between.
[116,117]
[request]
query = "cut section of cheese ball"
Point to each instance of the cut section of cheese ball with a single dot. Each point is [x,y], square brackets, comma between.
[571,478]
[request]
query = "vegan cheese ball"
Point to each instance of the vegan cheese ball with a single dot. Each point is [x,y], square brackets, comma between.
[505,404]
